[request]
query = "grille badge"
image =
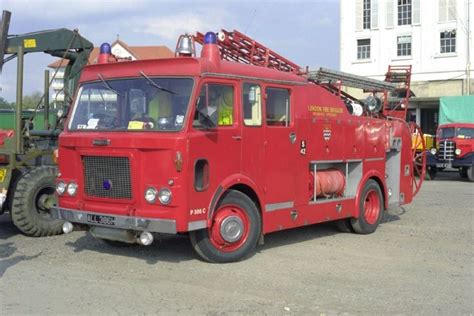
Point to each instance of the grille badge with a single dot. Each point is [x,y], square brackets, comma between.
[107,184]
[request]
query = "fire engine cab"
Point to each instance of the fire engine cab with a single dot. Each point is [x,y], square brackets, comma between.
[226,147]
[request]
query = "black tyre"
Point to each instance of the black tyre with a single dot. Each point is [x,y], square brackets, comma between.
[344,225]
[463,172]
[431,172]
[31,201]
[233,233]
[371,208]
[470,174]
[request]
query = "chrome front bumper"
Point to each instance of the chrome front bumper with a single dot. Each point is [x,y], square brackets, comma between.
[154,225]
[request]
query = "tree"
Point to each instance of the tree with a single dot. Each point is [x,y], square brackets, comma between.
[4,104]
[30,101]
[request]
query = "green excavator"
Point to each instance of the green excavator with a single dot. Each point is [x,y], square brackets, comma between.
[27,165]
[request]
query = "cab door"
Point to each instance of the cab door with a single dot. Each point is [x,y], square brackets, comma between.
[214,148]
[280,150]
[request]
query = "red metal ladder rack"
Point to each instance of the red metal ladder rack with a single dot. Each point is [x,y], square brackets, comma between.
[235,46]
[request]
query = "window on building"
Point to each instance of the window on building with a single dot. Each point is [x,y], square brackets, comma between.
[404,45]
[447,10]
[363,48]
[366,15]
[404,12]
[447,42]
[278,107]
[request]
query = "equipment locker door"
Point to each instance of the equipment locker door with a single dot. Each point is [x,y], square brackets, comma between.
[280,150]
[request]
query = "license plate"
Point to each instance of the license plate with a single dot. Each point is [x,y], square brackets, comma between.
[101,219]
[3,174]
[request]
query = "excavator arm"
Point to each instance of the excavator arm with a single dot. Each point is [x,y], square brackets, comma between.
[62,43]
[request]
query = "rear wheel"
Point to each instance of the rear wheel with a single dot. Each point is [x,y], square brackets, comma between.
[233,232]
[370,209]
[344,225]
[32,201]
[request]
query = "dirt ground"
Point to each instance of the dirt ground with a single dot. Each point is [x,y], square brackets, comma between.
[420,261]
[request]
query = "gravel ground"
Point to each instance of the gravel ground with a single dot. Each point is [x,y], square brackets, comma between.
[420,261]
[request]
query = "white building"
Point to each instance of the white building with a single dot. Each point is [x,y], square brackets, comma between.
[434,36]
[119,48]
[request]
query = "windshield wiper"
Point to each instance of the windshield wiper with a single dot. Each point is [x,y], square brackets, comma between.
[107,85]
[154,84]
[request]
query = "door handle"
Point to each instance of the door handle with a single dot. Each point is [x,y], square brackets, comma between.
[292,137]
[237,137]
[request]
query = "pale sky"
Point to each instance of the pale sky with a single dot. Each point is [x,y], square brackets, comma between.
[305,31]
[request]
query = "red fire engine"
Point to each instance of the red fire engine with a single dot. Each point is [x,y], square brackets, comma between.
[227,147]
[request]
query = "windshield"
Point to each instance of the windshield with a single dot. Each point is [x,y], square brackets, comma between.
[459,132]
[155,104]
[447,132]
[464,132]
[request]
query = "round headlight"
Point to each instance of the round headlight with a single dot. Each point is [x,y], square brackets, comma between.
[72,188]
[458,151]
[433,151]
[164,196]
[60,187]
[150,195]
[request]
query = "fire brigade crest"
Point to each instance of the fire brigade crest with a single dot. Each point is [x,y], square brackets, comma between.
[327,133]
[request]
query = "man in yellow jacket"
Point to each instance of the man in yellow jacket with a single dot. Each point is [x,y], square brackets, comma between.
[225,105]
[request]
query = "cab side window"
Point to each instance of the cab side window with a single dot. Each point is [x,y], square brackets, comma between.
[278,107]
[216,104]
[252,104]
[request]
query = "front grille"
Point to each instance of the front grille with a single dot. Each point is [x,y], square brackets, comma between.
[446,150]
[107,177]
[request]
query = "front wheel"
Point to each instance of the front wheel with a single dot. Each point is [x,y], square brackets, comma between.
[233,232]
[32,201]
[470,173]
[370,209]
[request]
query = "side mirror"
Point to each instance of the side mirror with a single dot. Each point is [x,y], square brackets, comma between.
[208,117]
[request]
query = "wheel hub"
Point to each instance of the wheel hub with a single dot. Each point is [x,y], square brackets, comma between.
[231,229]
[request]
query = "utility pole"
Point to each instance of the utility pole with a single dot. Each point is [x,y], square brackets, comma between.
[468,64]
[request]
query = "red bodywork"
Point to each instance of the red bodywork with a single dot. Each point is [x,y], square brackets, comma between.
[466,144]
[260,161]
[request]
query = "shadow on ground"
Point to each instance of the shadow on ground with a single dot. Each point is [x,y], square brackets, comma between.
[7,229]
[167,248]
[7,261]
[177,248]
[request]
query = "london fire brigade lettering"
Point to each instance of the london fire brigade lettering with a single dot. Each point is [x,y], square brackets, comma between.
[317,110]
[205,148]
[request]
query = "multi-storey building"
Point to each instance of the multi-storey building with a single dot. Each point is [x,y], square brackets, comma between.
[119,48]
[434,36]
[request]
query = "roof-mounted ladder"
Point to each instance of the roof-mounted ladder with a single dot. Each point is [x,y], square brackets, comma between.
[235,46]
[329,76]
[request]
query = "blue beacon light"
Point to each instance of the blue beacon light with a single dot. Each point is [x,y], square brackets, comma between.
[105,48]
[210,38]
